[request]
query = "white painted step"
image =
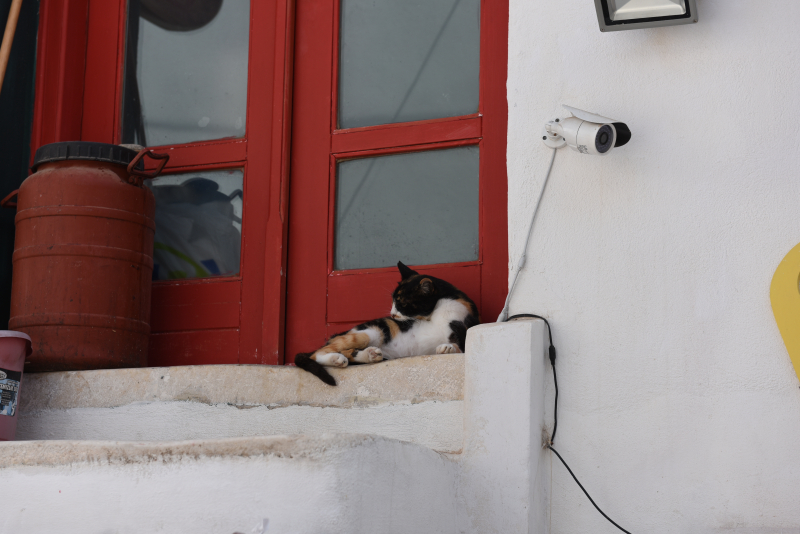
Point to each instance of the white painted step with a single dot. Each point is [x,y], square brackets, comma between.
[348,484]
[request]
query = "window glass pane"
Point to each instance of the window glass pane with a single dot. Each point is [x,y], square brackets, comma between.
[418,208]
[407,60]
[198,224]
[185,71]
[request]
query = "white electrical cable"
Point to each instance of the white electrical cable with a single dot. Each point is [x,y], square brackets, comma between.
[521,263]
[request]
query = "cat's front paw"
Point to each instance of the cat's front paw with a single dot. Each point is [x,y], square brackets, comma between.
[448,348]
[332,359]
[368,355]
[374,354]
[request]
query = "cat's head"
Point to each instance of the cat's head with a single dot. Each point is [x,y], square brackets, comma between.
[415,296]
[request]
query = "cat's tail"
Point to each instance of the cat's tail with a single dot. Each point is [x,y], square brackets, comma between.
[303,361]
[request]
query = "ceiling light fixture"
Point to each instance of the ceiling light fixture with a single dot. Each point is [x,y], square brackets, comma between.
[616,15]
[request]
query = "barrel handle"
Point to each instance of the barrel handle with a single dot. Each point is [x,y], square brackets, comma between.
[5,202]
[143,174]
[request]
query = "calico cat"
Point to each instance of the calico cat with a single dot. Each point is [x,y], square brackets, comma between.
[429,316]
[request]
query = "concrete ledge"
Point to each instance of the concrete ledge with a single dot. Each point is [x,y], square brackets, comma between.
[414,399]
[504,469]
[424,378]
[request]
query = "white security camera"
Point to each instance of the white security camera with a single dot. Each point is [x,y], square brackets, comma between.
[586,132]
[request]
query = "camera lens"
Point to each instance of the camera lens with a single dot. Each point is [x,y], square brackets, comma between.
[604,138]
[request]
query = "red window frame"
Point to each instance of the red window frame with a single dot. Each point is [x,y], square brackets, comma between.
[246,320]
[322,301]
[79,95]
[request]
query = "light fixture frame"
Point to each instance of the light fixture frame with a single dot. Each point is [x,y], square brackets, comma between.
[608,25]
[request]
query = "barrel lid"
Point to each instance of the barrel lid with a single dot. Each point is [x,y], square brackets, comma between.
[22,335]
[84,150]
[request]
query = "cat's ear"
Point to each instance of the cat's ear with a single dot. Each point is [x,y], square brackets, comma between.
[405,272]
[426,286]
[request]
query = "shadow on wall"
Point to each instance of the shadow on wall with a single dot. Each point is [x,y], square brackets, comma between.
[16,116]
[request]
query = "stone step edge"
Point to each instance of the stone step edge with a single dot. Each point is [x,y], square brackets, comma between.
[418,379]
[54,453]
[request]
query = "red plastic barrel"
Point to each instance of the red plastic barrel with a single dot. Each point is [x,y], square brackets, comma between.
[83,258]
[14,346]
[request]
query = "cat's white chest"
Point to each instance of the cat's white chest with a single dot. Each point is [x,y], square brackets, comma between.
[425,336]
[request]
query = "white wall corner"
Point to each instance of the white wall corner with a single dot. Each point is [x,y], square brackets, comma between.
[505,473]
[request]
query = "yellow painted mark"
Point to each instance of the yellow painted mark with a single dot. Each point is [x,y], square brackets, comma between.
[785,296]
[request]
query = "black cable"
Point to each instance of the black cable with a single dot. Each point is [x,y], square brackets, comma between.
[552,354]
[555,404]
[584,490]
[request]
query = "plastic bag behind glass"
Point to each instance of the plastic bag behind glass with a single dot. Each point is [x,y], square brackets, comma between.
[198,225]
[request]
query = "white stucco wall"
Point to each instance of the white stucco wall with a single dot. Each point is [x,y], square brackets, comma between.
[679,407]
